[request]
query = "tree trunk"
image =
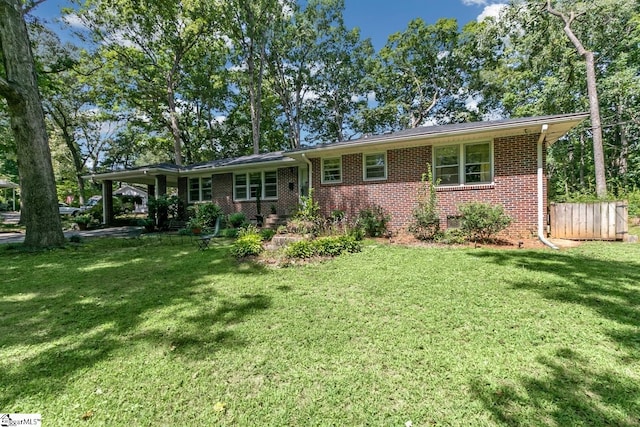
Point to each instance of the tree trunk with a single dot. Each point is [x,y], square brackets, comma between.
[39,200]
[596,124]
[255,86]
[173,122]
[594,103]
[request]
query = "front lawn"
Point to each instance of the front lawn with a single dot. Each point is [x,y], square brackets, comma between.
[141,332]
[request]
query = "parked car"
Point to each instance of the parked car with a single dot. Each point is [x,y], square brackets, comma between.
[65,209]
[93,200]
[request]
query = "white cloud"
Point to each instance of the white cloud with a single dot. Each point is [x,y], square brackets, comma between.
[74,21]
[474,2]
[491,11]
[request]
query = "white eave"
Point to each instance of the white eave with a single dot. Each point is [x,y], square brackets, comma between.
[558,126]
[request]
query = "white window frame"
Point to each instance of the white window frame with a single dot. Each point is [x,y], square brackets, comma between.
[247,176]
[325,181]
[462,163]
[200,189]
[365,170]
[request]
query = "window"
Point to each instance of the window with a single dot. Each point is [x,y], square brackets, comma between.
[332,170]
[206,189]
[199,189]
[375,166]
[477,163]
[246,186]
[194,189]
[240,187]
[463,164]
[270,184]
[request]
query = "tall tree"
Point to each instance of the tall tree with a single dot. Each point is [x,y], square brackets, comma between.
[530,67]
[19,87]
[569,18]
[148,43]
[295,54]
[250,28]
[339,93]
[420,76]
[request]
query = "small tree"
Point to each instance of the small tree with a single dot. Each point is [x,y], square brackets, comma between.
[426,225]
[482,221]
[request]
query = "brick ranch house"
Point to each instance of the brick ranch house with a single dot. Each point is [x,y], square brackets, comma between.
[501,162]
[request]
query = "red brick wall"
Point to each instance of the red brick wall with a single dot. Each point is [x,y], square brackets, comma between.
[222,194]
[514,187]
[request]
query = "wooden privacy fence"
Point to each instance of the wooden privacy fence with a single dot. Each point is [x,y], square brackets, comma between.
[589,221]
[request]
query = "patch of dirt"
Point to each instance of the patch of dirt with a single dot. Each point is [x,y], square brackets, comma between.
[407,239]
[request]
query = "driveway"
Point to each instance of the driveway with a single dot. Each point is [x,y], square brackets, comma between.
[14,218]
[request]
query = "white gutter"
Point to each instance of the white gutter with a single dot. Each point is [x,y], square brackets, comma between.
[543,239]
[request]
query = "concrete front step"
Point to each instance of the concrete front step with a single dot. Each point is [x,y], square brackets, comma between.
[274,221]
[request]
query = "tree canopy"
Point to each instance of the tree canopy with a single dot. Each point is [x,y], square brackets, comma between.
[186,81]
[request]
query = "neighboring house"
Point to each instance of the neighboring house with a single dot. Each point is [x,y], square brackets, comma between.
[500,162]
[128,190]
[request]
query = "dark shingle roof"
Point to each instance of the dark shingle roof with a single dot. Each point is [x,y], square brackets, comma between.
[442,130]
[277,156]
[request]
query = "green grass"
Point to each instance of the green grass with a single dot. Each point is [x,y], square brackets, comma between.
[119,332]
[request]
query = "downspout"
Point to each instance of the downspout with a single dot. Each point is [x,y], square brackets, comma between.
[304,157]
[541,214]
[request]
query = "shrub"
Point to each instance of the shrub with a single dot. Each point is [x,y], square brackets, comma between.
[231,233]
[207,213]
[83,219]
[308,210]
[336,245]
[374,221]
[301,249]
[482,221]
[164,207]
[75,238]
[337,215]
[426,224]
[249,242]
[633,198]
[267,234]
[236,219]
[451,236]
[323,246]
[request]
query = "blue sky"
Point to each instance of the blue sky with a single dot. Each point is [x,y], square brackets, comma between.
[377,19]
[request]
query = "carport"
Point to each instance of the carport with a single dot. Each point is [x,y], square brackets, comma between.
[157,178]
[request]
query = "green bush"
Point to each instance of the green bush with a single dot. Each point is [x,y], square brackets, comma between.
[249,242]
[336,245]
[451,236]
[374,221]
[308,210]
[633,198]
[236,219]
[301,249]
[482,221]
[206,213]
[426,221]
[323,246]
[231,233]
[267,234]
[83,219]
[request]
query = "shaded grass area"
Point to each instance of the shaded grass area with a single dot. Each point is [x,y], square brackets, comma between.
[144,332]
